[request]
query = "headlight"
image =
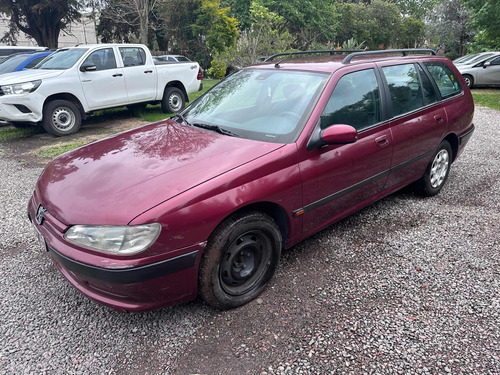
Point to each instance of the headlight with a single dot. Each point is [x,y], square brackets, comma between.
[20,88]
[119,240]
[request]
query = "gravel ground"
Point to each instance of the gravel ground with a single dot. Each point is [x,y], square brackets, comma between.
[408,285]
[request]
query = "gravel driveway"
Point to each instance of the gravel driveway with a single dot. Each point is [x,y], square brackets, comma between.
[408,285]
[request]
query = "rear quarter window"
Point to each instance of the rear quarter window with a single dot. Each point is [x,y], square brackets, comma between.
[445,79]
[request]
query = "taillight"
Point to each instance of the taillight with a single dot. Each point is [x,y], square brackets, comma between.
[199,74]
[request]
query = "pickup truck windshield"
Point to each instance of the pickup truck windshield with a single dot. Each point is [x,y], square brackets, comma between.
[62,59]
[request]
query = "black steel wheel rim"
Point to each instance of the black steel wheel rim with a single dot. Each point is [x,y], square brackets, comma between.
[245,262]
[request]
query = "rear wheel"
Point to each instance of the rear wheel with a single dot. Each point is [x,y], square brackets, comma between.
[61,117]
[469,81]
[437,171]
[173,100]
[239,260]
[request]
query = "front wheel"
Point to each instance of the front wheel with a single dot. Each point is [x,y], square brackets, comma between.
[172,101]
[437,171]
[239,260]
[61,117]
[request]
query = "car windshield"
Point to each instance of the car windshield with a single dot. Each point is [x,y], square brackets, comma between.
[62,59]
[463,59]
[12,62]
[479,58]
[265,105]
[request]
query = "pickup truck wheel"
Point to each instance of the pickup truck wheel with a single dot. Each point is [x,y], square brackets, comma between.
[239,260]
[173,100]
[61,117]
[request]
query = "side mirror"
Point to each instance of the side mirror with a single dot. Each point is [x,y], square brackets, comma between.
[87,67]
[487,63]
[339,134]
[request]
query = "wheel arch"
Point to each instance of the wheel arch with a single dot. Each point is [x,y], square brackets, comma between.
[274,210]
[180,86]
[66,96]
[453,141]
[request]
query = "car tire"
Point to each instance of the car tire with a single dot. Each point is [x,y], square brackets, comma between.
[173,100]
[240,258]
[61,117]
[436,172]
[469,80]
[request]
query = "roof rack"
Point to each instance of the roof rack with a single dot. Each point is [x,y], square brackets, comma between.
[405,52]
[330,51]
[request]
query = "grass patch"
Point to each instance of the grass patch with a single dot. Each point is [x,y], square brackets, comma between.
[8,134]
[487,98]
[153,113]
[52,151]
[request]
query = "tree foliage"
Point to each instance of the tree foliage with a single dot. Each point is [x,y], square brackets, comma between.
[485,18]
[42,20]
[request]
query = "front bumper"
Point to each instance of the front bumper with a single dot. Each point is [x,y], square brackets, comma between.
[21,108]
[130,285]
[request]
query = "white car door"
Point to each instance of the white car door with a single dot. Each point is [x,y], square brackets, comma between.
[139,77]
[103,86]
[489,74]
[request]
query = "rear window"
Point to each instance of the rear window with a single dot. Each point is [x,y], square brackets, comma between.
[445,79]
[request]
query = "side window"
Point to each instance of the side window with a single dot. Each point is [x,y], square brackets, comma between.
[103,59]
[404,87]
[445,79]
[355,101]
[495,61]
[429,93]
[133,56]
[32,63]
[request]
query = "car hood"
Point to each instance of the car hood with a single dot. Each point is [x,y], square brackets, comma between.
[28,75]
[110,182]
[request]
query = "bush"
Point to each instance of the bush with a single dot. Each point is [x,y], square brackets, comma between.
[217,69]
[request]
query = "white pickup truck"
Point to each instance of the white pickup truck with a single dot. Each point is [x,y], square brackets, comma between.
[73,82]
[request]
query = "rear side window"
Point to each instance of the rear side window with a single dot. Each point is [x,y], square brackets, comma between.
[445,79]
[355,101]
[404,87]
[429,93]
[32,63]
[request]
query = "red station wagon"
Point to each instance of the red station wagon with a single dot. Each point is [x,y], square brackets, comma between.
[203,203]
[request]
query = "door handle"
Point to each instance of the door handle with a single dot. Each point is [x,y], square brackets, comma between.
[117,75]
[439,119]
[148,71]
[382,141]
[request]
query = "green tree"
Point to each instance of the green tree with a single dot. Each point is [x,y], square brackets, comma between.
[266,35]
[215,26]
[485,18]
[309,21]
[447,28]
[42,20]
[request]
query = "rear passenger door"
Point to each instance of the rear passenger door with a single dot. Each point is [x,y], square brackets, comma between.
[139,77]
[418,120]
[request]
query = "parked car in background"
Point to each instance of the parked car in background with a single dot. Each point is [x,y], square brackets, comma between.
[464,59]
[72,82]
[21,61]
[9,50]
[484,73]
[170,58]
[204,202]
[480,57]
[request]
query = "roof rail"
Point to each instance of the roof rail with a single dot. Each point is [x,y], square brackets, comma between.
[405,52]
[331,52]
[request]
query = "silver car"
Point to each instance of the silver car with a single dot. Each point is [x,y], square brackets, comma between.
[482,73]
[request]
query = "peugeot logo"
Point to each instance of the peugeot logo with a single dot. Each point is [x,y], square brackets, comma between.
[40,213]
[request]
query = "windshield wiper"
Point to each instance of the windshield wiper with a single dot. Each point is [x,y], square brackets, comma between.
[216,129]
[183,119]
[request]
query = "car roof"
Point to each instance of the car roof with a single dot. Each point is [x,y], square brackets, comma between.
[329,64]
